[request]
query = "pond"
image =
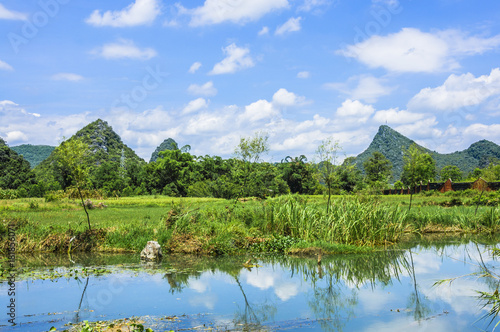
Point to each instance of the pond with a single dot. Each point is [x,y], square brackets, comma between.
[383,291]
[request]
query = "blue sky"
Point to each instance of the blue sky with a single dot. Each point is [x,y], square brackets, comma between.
[209,72]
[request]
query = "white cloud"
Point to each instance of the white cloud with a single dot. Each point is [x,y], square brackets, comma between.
[394,116]
[283,97]
[264,31]
[237,58]
[364,87]
[236,11]
[412,50]
[141,12]
[5,66]
[259,110]
[207,89]
[67,77]
[458,91]
[195,105]
[479,130]
[292,25]
[6,14]
[16,136]
[355,109]
[124,49]
[303,74]
[194,67]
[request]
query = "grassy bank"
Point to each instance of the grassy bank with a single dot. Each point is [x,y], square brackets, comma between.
[217,226]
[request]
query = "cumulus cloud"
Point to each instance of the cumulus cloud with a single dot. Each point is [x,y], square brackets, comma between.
[283,97]
[67,77]
[292,25]
[194,67]
[394,116]
[141,12]
[195,105]
[235,11]
[124,49]
[365,87]
[6,14]
[355,109]
[237,58]
[458,91]
[259,110]
[5,66]
[207,89]
[412,50]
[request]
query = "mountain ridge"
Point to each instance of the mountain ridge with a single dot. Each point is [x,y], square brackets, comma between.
[392,145]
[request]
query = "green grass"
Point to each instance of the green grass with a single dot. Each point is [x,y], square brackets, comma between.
[218,226]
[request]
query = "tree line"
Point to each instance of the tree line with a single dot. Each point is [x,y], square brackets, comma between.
[177,172]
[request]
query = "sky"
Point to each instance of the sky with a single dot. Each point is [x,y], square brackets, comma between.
[208,73]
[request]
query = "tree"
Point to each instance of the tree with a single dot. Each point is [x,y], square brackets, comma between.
[418,167]
[377,168]
[298,174]
[451,172]
[72,156]
[349,176]
[15,172]
[327,154]
[171,173]
[249,151]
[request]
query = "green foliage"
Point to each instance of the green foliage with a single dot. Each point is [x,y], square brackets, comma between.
[298,175]
[377,168]
[419,166]
[172,173]
[168,144]
[451,172]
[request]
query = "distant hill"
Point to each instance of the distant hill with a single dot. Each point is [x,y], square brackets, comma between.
[168,144]
[34,154]
[14,169]
[105,146]
[392,144]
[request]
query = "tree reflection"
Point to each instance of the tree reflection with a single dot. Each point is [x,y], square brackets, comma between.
[419,307]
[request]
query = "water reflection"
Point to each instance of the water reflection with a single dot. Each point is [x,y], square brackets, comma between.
[387,290]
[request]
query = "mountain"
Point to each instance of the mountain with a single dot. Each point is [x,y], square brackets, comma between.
[15,171]
[106,147]
[34,154]
[168,144]
[392,144]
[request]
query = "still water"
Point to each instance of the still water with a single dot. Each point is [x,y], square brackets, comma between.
[384,291]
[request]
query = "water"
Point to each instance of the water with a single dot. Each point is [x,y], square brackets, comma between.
[385,291]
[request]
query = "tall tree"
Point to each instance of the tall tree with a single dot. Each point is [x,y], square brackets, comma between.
[418,167]
[298,174]
[377,168]
[451,172]
[72,156]
[250,151]
[327,154]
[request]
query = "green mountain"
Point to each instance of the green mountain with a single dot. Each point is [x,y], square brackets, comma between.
[34,154]
[106,148]
[392,144]
[168,144]
[14,169]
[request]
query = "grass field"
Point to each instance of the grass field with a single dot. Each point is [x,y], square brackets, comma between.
[218,226]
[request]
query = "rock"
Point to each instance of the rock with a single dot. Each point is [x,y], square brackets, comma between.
[151,252]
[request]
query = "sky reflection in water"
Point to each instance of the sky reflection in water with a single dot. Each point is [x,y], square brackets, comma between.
[386,291]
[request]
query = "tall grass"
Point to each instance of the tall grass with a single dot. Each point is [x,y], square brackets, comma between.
[349,220]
